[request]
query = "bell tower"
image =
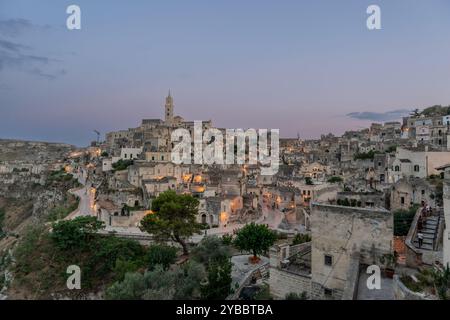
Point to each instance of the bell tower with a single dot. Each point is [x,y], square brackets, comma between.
[169,109]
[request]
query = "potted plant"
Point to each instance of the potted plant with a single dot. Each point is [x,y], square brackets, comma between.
[389,260]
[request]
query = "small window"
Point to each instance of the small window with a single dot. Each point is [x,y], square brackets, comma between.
[162,158]
[397,168]
[416,168]
[402,200]
[327,292]
[423,192]
[328,260]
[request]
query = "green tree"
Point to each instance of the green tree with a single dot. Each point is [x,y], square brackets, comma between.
[441,280]
[188,279]
[75,233]
[255,238]
[106,251]
[227,239]
[215,256]
[209,249]
[122,164]
[301,238]
[219,282]
[174,218]
[161,255]
[2,221]
[152,285]
[335,179]
[403,220]
[180,283]
[365,155]
[123,267]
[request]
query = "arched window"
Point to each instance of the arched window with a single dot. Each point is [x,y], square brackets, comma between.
[397,168]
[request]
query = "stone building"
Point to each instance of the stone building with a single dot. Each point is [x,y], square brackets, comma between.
[446,198]
[339,234]
[343,240]
[409,191]
[420,162]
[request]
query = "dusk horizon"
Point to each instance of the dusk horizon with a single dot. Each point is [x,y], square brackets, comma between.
[243,65]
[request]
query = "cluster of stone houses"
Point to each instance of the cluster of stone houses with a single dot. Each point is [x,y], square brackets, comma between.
[344,191]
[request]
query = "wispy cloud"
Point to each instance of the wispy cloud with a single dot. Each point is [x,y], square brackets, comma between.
[49,76]
[379,116]
[20,56]
[11,46]
[16,27]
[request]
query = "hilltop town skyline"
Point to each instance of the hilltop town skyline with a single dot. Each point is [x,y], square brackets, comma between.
[252,64]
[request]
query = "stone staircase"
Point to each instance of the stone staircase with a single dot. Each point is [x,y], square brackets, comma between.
[430,232]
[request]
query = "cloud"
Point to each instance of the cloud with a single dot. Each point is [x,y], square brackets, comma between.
[11,46]
[379,116]
[19,56]
[16,27]
[49,76]
[16,54]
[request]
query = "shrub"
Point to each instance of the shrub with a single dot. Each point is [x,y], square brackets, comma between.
[365,155]
[403,220]
[209,249]
[263,293]
[227,239]
[2,221]
[219,282]
[296,296]
[68,235]
[122,164]
[335,179]
[301,238]
[161,255]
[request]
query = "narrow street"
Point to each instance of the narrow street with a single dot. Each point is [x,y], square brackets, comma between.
[86,206]
[86,196]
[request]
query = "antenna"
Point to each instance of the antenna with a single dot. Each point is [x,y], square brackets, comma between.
[98,136]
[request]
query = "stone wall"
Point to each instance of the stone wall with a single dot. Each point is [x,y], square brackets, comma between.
[283,282]
[401,292]
[351,287]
